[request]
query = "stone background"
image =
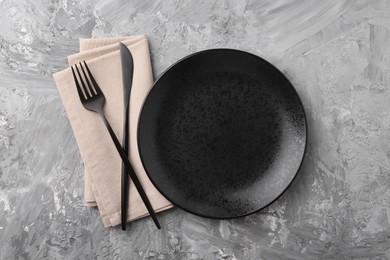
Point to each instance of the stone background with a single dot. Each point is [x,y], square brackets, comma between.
[337,55]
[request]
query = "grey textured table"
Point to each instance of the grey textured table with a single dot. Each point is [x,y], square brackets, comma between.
[337,55]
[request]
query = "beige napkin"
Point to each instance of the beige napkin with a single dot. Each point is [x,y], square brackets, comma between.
[102,175]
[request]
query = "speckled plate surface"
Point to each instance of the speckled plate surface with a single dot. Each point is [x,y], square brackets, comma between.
[222,133]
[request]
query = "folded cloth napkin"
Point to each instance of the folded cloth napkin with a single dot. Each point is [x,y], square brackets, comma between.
[102,163]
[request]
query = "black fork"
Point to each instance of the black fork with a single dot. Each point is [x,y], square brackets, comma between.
[93,99]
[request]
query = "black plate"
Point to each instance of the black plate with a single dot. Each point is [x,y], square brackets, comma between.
[222,133]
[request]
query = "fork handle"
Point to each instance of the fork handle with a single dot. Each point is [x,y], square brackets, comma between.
[131,172]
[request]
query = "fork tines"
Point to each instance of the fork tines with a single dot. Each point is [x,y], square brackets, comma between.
[89,86]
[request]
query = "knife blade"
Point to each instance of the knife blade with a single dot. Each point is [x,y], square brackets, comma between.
[127,65]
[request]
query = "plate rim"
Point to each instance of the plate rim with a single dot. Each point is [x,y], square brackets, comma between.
[153,87]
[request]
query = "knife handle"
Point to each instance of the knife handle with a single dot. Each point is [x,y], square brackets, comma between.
[125,169]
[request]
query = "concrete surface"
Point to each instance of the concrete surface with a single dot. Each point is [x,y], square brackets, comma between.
[337,55]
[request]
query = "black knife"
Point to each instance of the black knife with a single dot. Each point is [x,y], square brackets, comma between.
[127,79]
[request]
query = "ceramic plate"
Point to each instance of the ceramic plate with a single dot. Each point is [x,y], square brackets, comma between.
[222,133]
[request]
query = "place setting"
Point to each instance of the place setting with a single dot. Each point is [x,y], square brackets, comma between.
[221,133]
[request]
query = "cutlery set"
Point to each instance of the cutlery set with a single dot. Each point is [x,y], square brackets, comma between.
[92,98]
